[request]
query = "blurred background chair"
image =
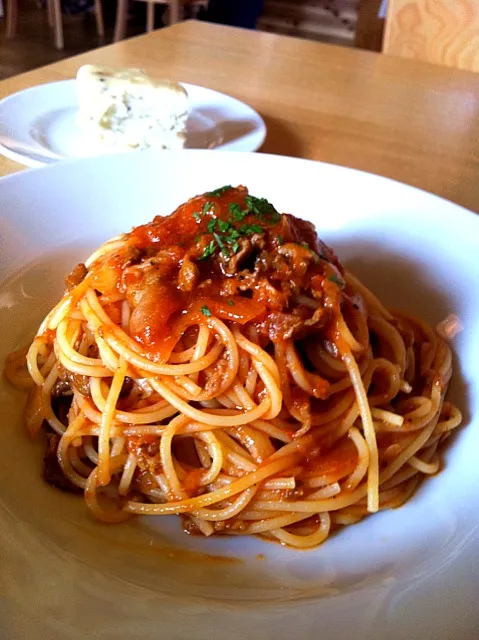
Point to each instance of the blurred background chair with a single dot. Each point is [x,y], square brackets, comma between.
[331,21]
[370,25]
[175,9]
[441,31]
[54,12]
[174,13]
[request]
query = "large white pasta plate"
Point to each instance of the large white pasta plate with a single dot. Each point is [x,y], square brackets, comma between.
[408,573]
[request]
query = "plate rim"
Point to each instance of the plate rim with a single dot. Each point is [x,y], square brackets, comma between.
[277,157]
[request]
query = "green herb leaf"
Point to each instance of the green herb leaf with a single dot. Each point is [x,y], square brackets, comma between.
[207,206]
[334,278]
[305,245]
[279,239]
[225,235]
[231,303]
[262,208]
[197,216]
[211,225]
[209,250]
[248,229]
[223,225]
[275,217]
[205,311]
[233,235]
[236,211]
[198,238]
[221,245]
[219,192]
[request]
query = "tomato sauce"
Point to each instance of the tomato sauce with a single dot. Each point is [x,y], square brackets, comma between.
[224,254]
[339,462]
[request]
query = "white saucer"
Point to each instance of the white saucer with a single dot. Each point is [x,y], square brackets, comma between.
[38,126]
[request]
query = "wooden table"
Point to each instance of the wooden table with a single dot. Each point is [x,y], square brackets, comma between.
[412,121]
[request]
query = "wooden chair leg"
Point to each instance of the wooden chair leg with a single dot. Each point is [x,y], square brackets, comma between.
[50,14]
[121,18]
[150,16]
[11,18]
[174,11]
[100,26]
[56,10]
[370,27]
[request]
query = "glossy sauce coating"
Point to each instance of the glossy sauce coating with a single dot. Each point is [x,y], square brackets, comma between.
[225,254]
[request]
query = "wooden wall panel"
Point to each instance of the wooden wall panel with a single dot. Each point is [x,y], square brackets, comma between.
[440,31]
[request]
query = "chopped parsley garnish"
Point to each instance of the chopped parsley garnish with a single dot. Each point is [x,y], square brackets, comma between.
[260,207]
[223,225]
[233,234]
[221,245]
[211,225]
[226,236]
[217,193]
[231,303]
[236,211]
[249,229]
[334,278]
[207,206]
[205,311]
[208,250]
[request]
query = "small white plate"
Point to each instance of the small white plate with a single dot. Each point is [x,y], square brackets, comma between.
[406,574]
[38,126]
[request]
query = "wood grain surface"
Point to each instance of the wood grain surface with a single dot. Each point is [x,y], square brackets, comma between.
[412,121]
[439,31]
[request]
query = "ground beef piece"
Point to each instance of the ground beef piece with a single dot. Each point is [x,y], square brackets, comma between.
[61,388]
[188,275]
[280,326]
[80,382]
[245,257]
[52,471]
[76,276]
[127,386]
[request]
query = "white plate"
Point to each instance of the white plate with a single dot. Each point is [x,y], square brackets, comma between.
[38,126]
[410,573]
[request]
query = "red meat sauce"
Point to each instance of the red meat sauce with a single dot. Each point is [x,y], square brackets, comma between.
[224,254]
[232,256]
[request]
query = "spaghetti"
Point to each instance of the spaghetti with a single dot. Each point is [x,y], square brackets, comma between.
[220,364]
